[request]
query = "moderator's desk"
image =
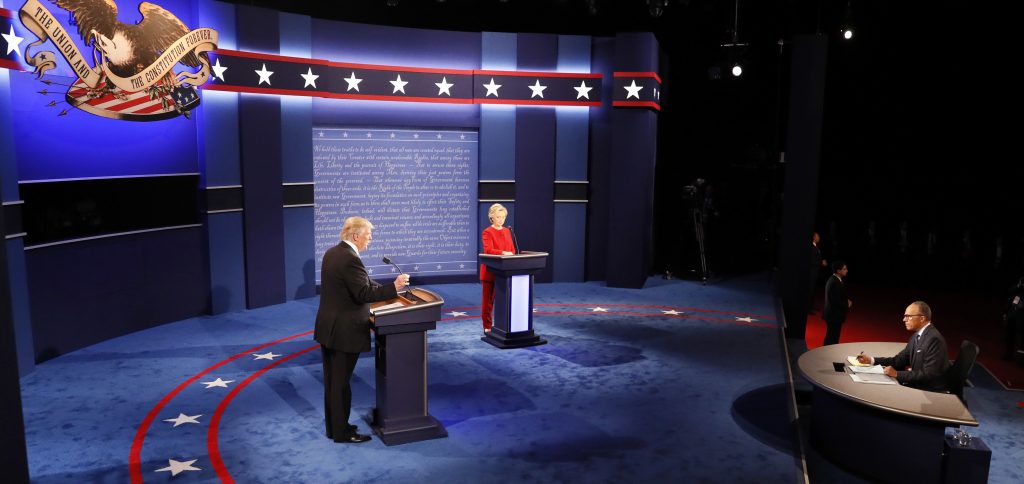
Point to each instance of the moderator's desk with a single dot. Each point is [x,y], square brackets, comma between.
[891,433]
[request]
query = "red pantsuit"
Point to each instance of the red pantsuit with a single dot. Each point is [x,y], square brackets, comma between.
[495,242]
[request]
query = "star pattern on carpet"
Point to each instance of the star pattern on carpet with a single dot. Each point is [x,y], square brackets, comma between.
[177,467]
[599,309]
[671,312]
[746,319]
[456,314]
[183,419]
[270,355]
[217,383]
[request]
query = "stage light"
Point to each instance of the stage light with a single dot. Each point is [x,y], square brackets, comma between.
[737,70]
[656,7]
[847,26]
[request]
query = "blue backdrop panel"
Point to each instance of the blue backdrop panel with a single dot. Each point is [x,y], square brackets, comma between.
[15,253]
[570,241]
[535,165]
[20,309]
[261,145]
[418,188]
[497,142]
[86,292]
[379,45]
[535,153]
[260,121]
[600,166]
[218,135]
[296,111]
[300,269]
[632,172]
[395,46]
[227,262]
[297,150]
[497,122]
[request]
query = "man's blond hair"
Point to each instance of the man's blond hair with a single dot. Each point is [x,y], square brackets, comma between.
[354,226]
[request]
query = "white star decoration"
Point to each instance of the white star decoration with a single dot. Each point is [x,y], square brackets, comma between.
[183,419]
[672,312]
[265,356]
[633,90]
[264,75]
[176,467]
[310,78]
[583,90]
[392,135]
[12,41]
[416,136]
[353,82]
[747,319]
[399,85]
[218,70]
[599,309]
[217,383]
[538,90]
[444,86]
[438,137]
[492,88]
[456,314]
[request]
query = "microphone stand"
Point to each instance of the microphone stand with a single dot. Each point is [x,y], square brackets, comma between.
[515,243]
[387,260]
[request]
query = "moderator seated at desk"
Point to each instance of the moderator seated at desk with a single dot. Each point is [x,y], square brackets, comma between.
[892,433]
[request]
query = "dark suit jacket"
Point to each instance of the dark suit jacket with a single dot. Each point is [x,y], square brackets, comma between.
[836,304]
[927,359]
[346,291]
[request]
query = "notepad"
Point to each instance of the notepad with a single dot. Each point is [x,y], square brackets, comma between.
[872,378]
[872,369]
[853,361]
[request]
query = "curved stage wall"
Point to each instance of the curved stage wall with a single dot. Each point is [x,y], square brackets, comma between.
[575,168]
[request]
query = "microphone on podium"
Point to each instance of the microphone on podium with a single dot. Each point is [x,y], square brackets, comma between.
[387,260]
[515,243]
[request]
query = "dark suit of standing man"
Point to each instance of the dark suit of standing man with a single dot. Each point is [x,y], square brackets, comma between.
[836,303]
[924,362]
[816,264]
[343,322]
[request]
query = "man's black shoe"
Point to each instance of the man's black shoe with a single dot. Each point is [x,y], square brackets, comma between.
[353,439]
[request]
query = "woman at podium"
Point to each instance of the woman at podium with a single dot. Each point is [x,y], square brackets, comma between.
[497,240]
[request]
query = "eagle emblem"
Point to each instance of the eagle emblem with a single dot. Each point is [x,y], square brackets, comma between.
[132,74]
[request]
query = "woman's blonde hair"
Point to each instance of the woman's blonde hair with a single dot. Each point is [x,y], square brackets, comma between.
[497,207]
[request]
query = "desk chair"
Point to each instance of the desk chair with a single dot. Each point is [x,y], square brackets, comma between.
[961,367]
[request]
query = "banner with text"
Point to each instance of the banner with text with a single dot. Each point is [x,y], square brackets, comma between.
[417,187]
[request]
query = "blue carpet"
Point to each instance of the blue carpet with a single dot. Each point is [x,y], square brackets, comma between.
[623,391]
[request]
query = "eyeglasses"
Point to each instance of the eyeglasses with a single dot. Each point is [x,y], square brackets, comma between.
[908,316]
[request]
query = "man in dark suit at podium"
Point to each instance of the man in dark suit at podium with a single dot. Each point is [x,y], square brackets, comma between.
[343,322]
[924,362]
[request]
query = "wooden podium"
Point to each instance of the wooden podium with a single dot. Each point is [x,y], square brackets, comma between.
[400,355]
[513,298]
